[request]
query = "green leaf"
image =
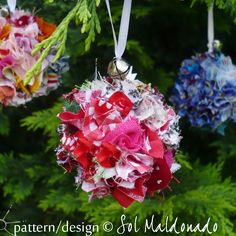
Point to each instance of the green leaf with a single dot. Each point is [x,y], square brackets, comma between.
[47,121]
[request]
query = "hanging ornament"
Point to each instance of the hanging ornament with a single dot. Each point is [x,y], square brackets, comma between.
[205,91]
[117,133]
[20,31]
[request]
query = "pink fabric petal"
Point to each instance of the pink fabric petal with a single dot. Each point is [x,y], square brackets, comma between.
[140,162]
[127,135]
[123,170]
[169,157]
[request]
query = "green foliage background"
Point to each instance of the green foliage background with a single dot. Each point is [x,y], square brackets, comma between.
[162,34]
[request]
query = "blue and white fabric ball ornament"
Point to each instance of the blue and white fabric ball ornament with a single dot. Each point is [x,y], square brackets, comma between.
[205,91]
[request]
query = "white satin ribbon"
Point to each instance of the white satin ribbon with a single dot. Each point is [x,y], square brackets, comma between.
[12,5]
[210,28]
[120,45]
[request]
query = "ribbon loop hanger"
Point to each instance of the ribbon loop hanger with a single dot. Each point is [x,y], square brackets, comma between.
[12,5]
[211,27]
[120,44]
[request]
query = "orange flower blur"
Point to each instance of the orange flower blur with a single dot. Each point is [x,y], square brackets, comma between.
[5,31]
[46,28]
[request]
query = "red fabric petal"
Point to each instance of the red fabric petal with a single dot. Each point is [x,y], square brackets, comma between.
[70,96]
[83,160]
[139,192]
[23,21]
[65,161]
[4,52]
[83,140]
[100,192]
[72,118]
[108,155]
[120,100]
[160,177]
[102,109]
[157,147]
[83,151]
[122,198]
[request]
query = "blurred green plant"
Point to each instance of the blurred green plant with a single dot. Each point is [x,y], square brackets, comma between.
[162,33]
[227,5]
[85,15]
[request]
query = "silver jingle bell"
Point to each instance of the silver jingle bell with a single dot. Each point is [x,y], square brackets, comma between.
[118,68]
[4,12]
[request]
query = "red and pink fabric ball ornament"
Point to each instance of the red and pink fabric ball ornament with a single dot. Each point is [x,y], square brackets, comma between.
[120,138]
[20,31]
